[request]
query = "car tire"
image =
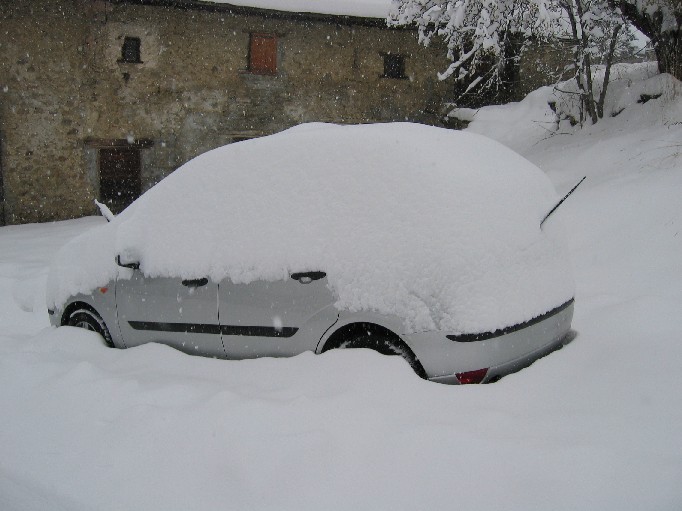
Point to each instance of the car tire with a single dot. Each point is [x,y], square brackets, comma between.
[90,320]
[385,346]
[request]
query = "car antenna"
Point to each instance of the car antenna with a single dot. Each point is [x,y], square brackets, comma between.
[106,212]
[561,201]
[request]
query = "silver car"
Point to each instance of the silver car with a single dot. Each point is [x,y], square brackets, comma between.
[287,317]
[405,239]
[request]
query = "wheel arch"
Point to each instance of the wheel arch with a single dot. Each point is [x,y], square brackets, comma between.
[75,306]
[352,330]
[78,307]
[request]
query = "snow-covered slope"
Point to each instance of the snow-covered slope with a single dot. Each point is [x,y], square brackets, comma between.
[594,426]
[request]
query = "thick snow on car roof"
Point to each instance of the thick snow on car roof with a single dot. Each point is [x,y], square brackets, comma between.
[438,227]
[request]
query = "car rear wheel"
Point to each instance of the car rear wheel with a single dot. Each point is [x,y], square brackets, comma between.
[385,346]
[90,320]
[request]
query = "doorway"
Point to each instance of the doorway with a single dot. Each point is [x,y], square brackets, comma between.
[119,177]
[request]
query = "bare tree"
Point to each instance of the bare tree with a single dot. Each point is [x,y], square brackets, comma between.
[484,38]
[593,25]
[661,22]
[480,33]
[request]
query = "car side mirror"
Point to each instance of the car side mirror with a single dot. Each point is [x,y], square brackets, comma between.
[134,266]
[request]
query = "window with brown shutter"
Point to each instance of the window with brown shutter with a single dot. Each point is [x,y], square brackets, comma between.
[263,54]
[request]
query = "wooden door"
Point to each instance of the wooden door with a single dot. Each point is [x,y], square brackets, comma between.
[119,177]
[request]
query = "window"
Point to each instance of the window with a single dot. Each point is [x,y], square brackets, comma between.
[394,66]
[263,54]
[130,51]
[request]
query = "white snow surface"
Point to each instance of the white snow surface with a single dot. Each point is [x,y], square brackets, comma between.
[358,8]
[594,426]
[533,121]
[438,227]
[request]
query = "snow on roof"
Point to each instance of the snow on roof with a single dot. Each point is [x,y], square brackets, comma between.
[438,227]
[358,8]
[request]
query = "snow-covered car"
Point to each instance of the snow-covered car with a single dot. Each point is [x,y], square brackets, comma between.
[402,238]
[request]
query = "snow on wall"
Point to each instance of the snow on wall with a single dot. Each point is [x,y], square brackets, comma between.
[438,227]
[360,8]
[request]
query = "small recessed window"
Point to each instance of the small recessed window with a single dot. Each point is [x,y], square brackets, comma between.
[394,65]
[130,51]
[263,54]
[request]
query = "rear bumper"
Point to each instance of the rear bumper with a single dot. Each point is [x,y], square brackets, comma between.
[502,353]
[497,372]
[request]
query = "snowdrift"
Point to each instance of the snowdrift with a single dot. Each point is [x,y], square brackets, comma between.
[438,227]
[637,96]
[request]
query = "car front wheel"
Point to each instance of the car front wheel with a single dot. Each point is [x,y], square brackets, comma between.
[90,320]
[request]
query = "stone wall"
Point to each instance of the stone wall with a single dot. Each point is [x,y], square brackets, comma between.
[543,64]
[63,89]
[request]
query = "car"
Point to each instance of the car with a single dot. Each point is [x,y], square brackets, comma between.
[405,239]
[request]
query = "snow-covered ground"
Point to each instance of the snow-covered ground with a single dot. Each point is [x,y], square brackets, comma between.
[594,426]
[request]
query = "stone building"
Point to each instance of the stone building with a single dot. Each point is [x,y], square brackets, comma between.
[100,99]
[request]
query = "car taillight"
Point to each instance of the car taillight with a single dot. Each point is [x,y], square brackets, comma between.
[476,376]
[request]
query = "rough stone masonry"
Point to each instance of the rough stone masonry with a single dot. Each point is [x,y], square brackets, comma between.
[96,95]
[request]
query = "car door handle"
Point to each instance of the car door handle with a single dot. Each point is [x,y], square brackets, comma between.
[308,276]
[195,282]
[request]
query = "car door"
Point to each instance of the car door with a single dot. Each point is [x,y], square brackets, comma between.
[277,319]
[173,311]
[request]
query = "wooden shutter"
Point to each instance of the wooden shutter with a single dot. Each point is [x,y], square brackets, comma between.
[263,54]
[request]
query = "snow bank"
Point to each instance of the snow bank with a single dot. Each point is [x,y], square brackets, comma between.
[629,85]
[438,227]
[522,125]
[516,125]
